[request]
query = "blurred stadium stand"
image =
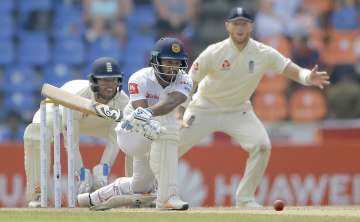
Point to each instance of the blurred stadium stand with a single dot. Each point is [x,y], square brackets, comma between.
[50,41]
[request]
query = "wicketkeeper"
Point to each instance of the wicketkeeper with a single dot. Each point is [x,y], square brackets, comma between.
[103,86]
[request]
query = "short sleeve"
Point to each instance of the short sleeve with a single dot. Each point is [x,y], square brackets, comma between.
[277,62]
[137,89]
[184,85]
[201,66]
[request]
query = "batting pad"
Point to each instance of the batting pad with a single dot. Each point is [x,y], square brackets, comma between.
[32,159]
[164,163]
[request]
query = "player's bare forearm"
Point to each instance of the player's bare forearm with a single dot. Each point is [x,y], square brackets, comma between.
[139,103]
[292,71]
[180,113]
[172,101]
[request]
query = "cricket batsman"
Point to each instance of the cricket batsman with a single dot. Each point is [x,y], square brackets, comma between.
[104,86]
[155,93]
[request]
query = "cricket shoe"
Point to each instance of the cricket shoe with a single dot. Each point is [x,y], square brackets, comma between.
[36,202]
[173,203]
[249,204]
[84,200]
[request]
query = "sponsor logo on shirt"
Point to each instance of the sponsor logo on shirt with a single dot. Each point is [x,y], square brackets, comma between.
[133,88]
[225,65]
[185,82]
[152,96]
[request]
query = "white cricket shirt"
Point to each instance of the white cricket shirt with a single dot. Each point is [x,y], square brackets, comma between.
[228,77]
[144,85]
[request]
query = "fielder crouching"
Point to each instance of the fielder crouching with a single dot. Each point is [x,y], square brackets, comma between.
[103,86]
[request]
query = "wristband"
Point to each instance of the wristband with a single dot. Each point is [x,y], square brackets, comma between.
[304,77]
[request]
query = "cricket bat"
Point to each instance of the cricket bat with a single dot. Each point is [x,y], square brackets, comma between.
[75,102]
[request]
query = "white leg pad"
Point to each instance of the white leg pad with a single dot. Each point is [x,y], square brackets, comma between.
[128,200]
[120,186]
[111,151]
[100,175]
[164,164]
[128,166]
[85,181]
[32,160]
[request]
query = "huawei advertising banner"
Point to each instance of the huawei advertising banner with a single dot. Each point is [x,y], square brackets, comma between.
[322,174]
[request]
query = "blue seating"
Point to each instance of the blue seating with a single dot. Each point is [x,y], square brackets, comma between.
[7,53]
[69,29]
[140,43]
[19,78]
[58,74]
[131,65]
[33,49]
[28,6]
[86,70]
[68,22]
[125,84]
[6,134]
[70,51]
[7,25]
[21,102]
[106,45]
[142,16]
[6,6]
[138,52]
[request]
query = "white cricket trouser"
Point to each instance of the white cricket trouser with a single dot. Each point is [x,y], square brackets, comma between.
[245,128]
[138,147]
[152,161]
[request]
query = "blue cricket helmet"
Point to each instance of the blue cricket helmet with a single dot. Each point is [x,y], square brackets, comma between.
[168,48]
[104,67]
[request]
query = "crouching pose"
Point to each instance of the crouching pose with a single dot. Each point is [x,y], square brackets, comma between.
[103,86]
[155,93]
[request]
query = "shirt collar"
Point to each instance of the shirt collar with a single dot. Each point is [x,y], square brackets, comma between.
[152,75]
[233,46]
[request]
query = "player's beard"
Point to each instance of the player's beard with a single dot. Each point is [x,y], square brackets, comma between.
[171,74]
[240,40]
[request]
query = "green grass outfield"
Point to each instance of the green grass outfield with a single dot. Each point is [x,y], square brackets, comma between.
[292,214]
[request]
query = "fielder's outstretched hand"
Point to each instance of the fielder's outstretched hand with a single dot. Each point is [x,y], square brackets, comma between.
[319,78]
